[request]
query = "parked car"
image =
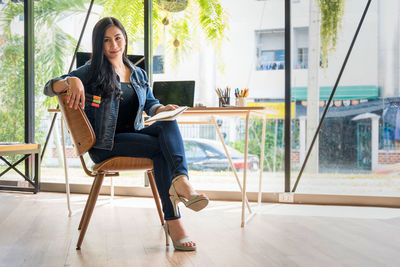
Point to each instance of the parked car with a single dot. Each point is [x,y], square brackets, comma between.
[209,155]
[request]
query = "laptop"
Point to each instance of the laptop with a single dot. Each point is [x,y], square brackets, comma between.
[83,57]
[180,93]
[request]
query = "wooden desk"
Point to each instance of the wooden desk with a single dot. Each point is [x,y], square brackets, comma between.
[246,112]
[27,150]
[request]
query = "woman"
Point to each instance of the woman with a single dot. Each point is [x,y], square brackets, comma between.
[124,93]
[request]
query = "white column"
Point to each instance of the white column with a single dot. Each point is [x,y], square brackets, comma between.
[374,142]
[388,47]
[302,139]
[313,85]
[207,77]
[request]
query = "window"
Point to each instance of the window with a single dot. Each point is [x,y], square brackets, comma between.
[302,58]
[158,64]
[270,49]
[271,60]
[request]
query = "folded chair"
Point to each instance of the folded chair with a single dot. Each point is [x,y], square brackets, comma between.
[83,138]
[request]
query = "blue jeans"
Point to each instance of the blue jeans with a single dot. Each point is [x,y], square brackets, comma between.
[161,142]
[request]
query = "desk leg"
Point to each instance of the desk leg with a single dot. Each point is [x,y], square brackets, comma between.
[37,171]
[246,151]
[261,160]
[229,159]
[65,166]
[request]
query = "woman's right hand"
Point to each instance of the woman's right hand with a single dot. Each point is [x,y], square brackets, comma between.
[75,89]
[76,93]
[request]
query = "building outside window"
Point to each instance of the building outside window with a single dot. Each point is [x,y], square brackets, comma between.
[271,60]
[302,58]
[158,64]
[270,50]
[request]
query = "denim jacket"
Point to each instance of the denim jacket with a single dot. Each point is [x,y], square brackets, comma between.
[104,118]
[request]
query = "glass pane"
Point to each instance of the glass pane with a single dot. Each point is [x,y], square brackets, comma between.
[12,80]
[12,74]
[181,40]
[356,152]
[57,30]
[55,46]
[213,64]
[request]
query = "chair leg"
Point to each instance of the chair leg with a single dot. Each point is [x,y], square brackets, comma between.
[90,207]
[150,175]
[86,207]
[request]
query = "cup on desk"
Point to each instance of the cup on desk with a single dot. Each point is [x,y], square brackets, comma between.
[240,101]
[223,101]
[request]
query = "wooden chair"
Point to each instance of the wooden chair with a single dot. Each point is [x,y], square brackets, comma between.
[83,138]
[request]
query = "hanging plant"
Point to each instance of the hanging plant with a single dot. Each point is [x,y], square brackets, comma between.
[165,21]
[173,5]
[331,20]
[179,31]
[205,19]
[176,43]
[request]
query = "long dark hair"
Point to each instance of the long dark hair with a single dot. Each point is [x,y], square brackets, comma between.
[102,78]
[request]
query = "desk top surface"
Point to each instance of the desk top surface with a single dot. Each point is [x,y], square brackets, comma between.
[228,110]
[207,109]
[5,147]
[219,110]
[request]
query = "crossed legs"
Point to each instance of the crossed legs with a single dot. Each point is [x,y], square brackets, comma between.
[162,143]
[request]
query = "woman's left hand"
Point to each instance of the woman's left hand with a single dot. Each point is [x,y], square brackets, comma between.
[166,108]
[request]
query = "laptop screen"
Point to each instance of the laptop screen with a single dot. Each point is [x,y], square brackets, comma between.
[180,93]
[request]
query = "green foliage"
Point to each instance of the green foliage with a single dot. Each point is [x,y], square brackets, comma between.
[255,136]
[274,141]
[131,15]
[52,46]
[178,29]
[212,19]
[331,19]
[12,91]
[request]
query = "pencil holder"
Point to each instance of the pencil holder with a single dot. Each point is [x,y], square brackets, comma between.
[223,101]
[240,102]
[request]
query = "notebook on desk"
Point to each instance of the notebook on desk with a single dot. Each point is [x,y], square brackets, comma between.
[180,93]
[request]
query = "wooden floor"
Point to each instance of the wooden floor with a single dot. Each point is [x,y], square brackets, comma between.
[36,231]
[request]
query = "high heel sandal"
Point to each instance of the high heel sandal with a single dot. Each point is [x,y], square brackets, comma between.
[178,245]
[195,202]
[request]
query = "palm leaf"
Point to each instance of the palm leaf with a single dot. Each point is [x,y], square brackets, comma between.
[200,14]
[213,19]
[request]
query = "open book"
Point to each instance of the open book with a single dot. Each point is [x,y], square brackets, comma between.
[169,115]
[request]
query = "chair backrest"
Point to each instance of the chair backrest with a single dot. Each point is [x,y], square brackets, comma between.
[79,128]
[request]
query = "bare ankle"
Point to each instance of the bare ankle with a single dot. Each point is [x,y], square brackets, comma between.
[183,187]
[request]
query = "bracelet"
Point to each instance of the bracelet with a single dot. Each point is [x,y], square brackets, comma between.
[65,80]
